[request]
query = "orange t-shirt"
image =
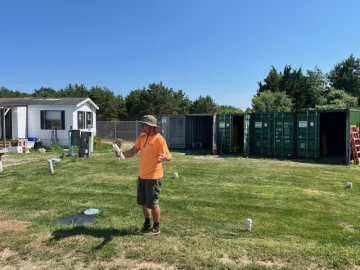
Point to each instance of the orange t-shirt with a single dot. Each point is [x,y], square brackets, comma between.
[151,147]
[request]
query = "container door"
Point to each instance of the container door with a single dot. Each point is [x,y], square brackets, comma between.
[263,140]
[177,132]
[352,118]
[308,135]
[246,134]
[225,133]
[214,135]
[165,128]
[284,135]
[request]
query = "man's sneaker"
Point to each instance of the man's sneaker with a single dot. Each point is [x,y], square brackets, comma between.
[155,230]
[147,228]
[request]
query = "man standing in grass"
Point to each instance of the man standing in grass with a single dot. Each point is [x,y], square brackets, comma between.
[153,151]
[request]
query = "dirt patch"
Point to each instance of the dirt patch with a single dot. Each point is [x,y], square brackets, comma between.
[227,261]
[268,264]
[14,226]
[210,158]
[315,192]
[43,213]
[70,260]
[15,161]
[109,177]
[122,263]
[6,253]
[75,263]
[230,185]
[347,226]
[3,215]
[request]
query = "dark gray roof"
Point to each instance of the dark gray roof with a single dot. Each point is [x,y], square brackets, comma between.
[10,102]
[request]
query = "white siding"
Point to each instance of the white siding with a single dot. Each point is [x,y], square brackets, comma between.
[18,118]
[86,108]
[34,125]
[26,122]
[18,122]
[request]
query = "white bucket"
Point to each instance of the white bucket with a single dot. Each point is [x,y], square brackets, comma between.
[29,144]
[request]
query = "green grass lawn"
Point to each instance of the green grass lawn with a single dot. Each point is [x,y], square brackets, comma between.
[303,215]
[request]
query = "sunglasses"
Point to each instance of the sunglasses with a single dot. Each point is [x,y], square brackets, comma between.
[144,125]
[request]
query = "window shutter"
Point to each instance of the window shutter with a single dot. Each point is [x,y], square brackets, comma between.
[42,119]
[63,120]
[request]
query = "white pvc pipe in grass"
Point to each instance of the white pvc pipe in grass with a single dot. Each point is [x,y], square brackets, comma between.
[50,166]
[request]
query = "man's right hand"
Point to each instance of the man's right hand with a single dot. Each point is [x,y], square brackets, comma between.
[119,155]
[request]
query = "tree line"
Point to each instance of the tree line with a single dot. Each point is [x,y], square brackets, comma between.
[280,91]
[156,99]
[293,89]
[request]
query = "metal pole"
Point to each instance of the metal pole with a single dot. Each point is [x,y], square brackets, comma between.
[261,137]
[213,135]
[316,152]
[70,144]
[4,130]
[115,131]
[282,134]
[136,125]
[269,130]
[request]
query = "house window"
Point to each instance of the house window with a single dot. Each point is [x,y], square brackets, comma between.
[52,120]
[85,120]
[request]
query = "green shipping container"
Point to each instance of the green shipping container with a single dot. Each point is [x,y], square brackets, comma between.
[308,134]
[325,135]
[272,135]
[355,117]
[233,133]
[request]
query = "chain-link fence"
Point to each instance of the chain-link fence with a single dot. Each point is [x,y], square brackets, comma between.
[126,130]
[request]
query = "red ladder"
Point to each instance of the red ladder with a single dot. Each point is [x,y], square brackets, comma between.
[355,144]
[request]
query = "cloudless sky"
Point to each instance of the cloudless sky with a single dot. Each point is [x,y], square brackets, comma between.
[203,47]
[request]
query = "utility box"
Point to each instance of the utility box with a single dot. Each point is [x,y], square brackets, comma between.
[75,137]
[84,146]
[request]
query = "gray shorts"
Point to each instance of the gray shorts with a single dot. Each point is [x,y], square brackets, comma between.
[148,191]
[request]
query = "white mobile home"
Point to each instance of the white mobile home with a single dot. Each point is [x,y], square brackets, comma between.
[47,119]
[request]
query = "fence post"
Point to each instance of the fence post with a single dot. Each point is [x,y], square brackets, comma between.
[136,130]
[115,131]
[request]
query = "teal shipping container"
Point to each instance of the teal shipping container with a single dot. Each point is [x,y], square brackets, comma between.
[191,131]
[200,130]
[233,133]
[273,135]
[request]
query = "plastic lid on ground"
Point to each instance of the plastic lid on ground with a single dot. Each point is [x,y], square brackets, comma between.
[91,211]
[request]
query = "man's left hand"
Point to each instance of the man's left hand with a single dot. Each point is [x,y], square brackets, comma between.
[164,157]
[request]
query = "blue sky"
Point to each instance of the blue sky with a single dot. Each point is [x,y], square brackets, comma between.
[204,47]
